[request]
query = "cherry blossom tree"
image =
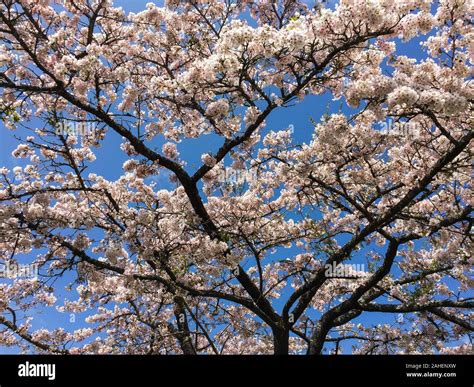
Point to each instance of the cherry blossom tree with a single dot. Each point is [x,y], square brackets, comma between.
[205,263]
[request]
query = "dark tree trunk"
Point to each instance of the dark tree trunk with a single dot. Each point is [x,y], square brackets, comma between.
[280,342]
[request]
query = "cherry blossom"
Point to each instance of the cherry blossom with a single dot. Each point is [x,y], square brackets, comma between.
[229,256]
